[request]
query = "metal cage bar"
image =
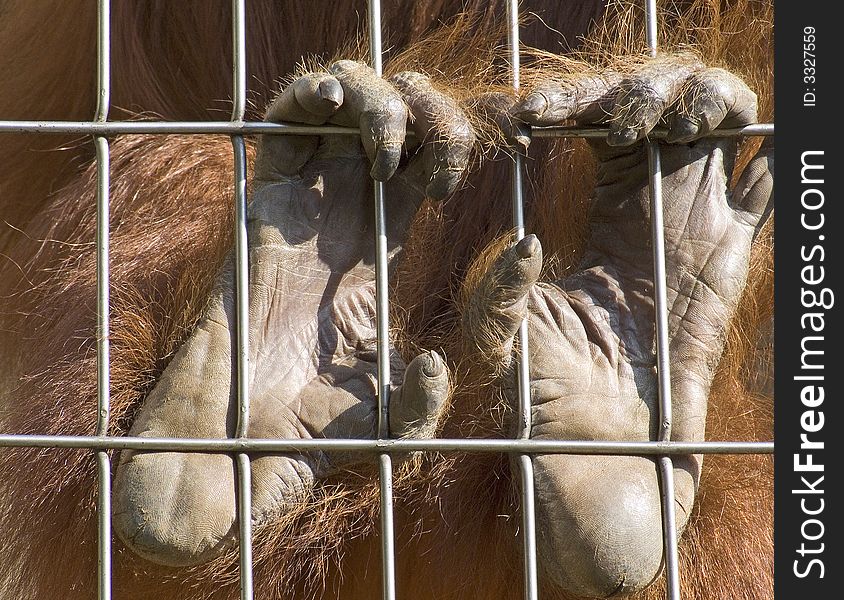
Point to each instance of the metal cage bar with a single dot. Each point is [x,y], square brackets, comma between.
[104,564]
[525,461]
[662,449]
[382,327]
[114,128]
[666,465]
[263,445]
[241,257]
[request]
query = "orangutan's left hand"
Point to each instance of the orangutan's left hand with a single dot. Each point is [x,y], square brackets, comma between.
[312,329]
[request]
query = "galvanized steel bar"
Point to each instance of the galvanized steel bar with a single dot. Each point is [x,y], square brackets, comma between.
[376,55]
[382,326]
[103,60]
[104,563]
[241,257]
[238,60]
[104,567]
[244,524]
[531,586]
[672,560]
[382,314]
[240,236]
[666,467]
[244,491]
[388,544]
[262,445]
[103,312]
[651,29]
[659,133]
[660,291]
[114,128]
[237,128]
[104,559]
[241,286]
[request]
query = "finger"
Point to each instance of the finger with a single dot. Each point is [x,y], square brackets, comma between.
[442,128]
[497,303]
[311,99]
[372,104]
[496,108]
[711,98]
[642,98]
[754,192]
[417,405]
[579,98]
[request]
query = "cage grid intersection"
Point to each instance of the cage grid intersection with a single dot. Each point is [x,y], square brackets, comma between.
[101,129]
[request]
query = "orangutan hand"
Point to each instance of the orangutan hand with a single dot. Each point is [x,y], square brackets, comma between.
[312,341]
[591,335]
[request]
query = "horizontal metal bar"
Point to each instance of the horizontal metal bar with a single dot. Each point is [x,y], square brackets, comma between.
[170,127]
[404,445]
[757,129]
[258,127]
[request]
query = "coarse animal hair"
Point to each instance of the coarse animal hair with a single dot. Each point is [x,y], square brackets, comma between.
[171,222]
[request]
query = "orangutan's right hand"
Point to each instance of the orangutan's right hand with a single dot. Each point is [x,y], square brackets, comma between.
[591,335]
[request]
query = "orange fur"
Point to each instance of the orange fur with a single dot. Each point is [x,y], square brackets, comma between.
[457,515]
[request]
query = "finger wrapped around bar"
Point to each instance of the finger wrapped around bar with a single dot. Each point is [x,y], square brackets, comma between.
[311,99]
[496,303]
[372,104]
[711,98]
[443,130]
[644,96]
[633,104]
[496,109]
[350,94]
[582,98]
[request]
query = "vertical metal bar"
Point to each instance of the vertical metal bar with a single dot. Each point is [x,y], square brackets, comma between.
[382,301]
[382,324]
[531,588]
[244,468]
[238,59]
[660,291]
[104,526]
[666,466]
[104,564]
[672,559]
[103,387]
[375,44]
[103,59]
[388,545]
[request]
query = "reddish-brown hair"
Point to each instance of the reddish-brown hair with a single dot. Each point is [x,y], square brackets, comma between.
[457,515]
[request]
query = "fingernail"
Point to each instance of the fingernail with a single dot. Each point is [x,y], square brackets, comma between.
[622,137]
[682,130]
[527,246]
[386,162]
[521,136]
[435,366]
[533,106]
[331,92]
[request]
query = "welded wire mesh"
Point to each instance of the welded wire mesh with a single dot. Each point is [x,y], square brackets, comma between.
[101,130]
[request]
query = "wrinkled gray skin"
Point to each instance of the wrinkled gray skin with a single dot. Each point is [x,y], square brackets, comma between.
[312,329]
[312,363]
[591,335]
